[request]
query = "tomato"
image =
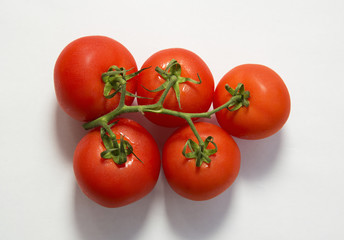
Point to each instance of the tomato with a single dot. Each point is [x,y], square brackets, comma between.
[269,102]
[193,97]
[114,185]
[77,76]
[208,180]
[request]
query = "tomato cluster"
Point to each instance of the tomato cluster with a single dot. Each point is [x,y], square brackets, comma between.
[118,162]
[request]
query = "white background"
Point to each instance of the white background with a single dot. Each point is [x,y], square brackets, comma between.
[290,185]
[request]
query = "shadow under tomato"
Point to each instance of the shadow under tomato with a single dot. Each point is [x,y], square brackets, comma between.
[197,219]
[96,222]
[68,133]
[258,157]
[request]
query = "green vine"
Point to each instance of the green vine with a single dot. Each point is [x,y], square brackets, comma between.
[115,79]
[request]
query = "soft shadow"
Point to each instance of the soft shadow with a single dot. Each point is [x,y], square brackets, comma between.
[68,132]
[258,157]
[196,219]
[96,222]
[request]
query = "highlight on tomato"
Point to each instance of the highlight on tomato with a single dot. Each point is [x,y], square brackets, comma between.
[80,89]
[200,174]
[119,168]
[262,106]
[192,91]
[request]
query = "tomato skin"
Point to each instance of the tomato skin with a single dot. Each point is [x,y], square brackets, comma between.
[208,180]
[77,76]
[112,185]
[269,102]
[193,97]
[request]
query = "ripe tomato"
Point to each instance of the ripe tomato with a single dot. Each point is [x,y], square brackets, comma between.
[269,102]
[208,180]
[114,185]
[193,97]
[77,76]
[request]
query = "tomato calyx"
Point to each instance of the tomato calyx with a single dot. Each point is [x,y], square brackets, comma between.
[239,97]
[116,149]
[173,72]
[199,151]
[115,79]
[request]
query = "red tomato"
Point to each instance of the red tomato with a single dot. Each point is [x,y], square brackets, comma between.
[269,106]
[77,75]
[193,97]
[110,184]
[208,180]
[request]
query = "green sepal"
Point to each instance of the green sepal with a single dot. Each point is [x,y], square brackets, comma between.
[115,79]
[239,97]
[108,90]
[107,141]
[193,146]
[117,151]
[200,154]
[107,154]
[212,151]
[122,153]
[177,92]
[160,88]
[173,70]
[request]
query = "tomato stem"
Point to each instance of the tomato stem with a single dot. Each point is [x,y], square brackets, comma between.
[194,130]
[155,108]
[172,76]
[122,99]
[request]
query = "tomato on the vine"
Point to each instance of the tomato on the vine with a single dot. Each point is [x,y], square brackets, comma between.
[111,184]
[209,179]
[269,102]
[77,75]
[193,97]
